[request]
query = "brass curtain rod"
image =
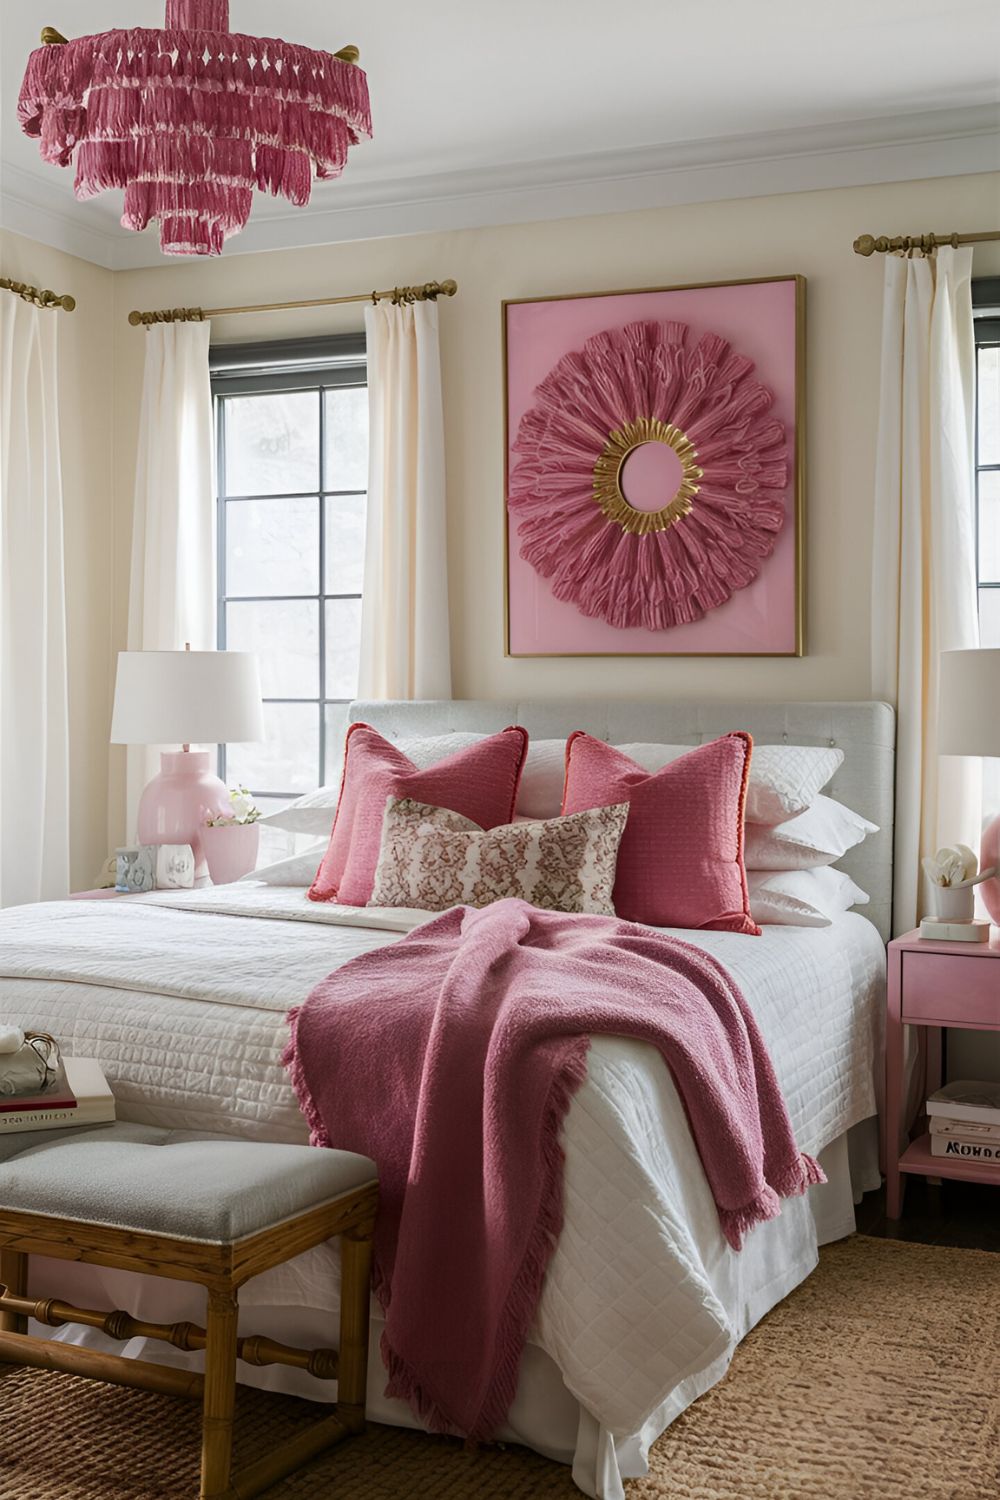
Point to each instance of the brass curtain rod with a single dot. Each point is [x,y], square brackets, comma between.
[35,295]
[872,244]
[429,292]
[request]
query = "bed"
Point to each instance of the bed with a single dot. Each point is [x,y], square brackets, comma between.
[184,996]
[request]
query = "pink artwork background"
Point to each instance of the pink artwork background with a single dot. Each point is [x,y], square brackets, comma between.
[759,321]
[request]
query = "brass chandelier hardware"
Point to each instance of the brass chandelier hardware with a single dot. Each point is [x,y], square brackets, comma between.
[881,244]
[608,490]
[428,292]
[35,295]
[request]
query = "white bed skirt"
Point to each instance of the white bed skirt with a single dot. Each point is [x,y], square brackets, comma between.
[294,1304]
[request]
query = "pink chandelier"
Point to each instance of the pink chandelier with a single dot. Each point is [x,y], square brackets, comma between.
[191,119]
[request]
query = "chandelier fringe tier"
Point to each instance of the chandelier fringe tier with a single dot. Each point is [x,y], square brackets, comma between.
[191,120]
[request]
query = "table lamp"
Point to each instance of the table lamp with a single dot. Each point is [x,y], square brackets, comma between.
[186,698]
[969,724]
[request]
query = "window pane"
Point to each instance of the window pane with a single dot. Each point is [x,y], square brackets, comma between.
[347,438]
[272,443]
[343,647]
[989,405]
[285,635]
[345,543]
[287,759]
[989,526]
[272,547]
[989,617]
[336,732]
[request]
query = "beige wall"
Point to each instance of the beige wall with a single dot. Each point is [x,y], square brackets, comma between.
[86,389]
[810,233]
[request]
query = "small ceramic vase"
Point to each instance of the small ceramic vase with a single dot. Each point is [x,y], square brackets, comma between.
[952,904]
[230,849]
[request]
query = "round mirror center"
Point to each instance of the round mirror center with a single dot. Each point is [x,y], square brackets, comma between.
[650,476]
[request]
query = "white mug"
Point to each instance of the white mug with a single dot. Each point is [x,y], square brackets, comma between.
[951,903]
[174,867]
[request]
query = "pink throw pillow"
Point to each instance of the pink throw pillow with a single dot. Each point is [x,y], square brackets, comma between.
[480,782]
[680,861]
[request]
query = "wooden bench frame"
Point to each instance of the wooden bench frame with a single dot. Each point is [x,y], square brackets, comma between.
[221,1270]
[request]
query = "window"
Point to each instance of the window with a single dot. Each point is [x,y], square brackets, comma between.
[292,448]
[986,310]
[986,307]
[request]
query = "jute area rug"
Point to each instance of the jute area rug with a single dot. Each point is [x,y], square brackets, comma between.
[878,1379]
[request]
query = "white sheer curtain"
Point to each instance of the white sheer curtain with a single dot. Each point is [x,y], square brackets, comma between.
[924,564]
[172,591]
[34,735]
[405,647]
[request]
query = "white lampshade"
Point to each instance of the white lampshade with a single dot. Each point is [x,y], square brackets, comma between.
[186,698]
[969,703]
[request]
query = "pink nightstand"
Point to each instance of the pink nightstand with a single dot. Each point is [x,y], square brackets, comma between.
[934,985]
[104,894]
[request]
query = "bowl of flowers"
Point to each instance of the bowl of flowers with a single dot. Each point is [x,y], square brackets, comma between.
[230,840]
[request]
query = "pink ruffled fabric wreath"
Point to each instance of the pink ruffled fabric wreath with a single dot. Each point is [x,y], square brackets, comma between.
[629,386]
[192,119]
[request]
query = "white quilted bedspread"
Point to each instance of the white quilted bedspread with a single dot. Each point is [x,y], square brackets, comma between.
[183,998]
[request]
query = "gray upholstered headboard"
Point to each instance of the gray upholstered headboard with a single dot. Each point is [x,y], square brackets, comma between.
[866,732]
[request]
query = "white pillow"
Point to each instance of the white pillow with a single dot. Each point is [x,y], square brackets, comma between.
[314,813]
[784,779]
[818,836]
[298,869]
[802,898]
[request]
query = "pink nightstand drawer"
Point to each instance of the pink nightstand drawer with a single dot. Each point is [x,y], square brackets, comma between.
[959,991]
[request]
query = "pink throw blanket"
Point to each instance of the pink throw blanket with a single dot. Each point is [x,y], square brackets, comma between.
[451,1058]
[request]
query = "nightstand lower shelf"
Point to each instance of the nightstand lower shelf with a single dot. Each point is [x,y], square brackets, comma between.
[917,1159]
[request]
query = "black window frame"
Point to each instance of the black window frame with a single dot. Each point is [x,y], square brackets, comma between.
[274,368]
[986,329]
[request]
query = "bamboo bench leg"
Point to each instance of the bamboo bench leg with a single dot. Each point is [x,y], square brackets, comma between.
[220,1395]
[14,1276]
[355,1301]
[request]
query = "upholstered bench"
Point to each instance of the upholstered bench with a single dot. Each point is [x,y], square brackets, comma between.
[202,1208]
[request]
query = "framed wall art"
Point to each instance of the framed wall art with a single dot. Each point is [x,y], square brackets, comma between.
[653,475]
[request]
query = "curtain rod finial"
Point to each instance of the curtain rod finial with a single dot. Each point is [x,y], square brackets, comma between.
[864,244]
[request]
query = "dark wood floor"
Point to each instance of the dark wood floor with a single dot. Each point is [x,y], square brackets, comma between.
[965,1214]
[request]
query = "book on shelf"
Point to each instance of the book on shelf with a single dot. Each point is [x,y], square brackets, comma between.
[967,1099]
[969,1130]
[56,1094]
[94,1101]
[964,1150]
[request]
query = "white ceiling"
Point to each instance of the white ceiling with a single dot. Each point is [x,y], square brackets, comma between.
[528,108]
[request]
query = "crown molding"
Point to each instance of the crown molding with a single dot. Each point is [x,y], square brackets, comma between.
[937,143]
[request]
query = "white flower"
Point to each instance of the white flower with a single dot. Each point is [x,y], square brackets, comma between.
[951,865]
[244,809]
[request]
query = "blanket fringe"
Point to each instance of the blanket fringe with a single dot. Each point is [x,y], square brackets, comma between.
[526,1290]
[291,1060]
[736,1222]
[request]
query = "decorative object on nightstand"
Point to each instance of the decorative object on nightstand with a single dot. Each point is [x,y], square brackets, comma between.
[934,985]
[231,840]
[185,697]
[969,724]
[175,865]
[136,869]
[953,876]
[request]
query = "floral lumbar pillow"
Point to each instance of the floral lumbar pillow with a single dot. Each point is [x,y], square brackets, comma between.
[432,859]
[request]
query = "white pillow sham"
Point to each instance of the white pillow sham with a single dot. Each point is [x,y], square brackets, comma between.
[802,898]
[784,779]
[297,869]
[818,836]
[314,813]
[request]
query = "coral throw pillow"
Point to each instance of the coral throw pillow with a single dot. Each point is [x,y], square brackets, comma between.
[433,859]
[680,861]
[479,782]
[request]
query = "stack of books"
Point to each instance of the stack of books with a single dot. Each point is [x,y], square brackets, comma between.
[965,1121]
[77,1095]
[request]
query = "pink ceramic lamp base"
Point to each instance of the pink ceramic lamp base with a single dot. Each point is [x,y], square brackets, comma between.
[989,857]
[175,804]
